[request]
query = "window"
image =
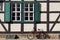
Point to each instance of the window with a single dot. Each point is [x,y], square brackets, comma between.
[16,12]
[1,6]
[28,12]
[22,12]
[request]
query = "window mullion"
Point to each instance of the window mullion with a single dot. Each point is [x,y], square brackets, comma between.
[33,12]
[15,11]
[28,12]
[20,12]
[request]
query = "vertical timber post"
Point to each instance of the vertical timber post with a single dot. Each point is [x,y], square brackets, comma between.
[22,27]
[47,15]
[9,27]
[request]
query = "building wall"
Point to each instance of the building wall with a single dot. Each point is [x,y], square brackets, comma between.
[15,27]
[43,17]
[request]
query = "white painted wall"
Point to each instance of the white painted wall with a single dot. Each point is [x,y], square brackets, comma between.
[6,25]
[2,7]
[54,6]
[43,6]
[15,27]
[54,0]
[43,17]
[2,29]
[2,16]
[42,27]
[56,27]
[59,19]
[28,27]
[46,0]
[53,16]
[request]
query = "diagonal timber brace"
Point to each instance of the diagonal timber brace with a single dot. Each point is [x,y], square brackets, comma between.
[55,23]
[3,26]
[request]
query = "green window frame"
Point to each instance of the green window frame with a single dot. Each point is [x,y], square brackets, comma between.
[36,12]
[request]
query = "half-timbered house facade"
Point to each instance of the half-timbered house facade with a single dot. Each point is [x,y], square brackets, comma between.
[25,17]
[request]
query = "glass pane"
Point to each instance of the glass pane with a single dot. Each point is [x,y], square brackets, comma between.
[13,18]
[18,14]
[31,9]
[31,14]
[26,9]
[18,9]
[26,14]
[31,5]
[26,5]
[18,18]
[26,18]
[31,18]
[13,14]
[18,5]
[13,9]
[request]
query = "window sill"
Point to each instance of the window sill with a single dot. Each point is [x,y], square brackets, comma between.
[21,22]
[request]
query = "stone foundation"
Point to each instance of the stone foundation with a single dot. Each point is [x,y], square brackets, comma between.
[13,36]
